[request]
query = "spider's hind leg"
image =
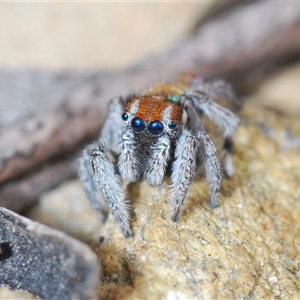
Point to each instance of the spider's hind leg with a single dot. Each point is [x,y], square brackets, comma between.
[220,89]
[201,99]
[208,154]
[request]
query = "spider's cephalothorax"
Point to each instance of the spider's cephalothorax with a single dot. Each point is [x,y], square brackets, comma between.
[146,131]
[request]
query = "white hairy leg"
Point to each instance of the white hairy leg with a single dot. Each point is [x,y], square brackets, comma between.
[183,171]
[129,163]
[221,116]
[156,164]
[109,183]
[86,176]
[208,153]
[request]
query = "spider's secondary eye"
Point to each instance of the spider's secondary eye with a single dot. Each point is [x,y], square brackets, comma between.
[172,125]
[137,124]
[125,117]
[156,127]
[174,98]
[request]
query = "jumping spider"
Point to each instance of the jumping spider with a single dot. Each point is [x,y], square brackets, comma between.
[145,132]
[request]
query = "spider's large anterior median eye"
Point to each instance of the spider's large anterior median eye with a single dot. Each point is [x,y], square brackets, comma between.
[137,124]
[156,127]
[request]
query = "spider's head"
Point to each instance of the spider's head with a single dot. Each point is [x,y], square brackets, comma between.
[152,115]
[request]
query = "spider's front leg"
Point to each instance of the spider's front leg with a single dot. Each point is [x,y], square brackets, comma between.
[221,116]
[183,171]
[97,170]
[109,183]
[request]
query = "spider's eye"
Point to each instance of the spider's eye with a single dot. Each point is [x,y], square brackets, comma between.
[172,125]
[174,98]
[137,124]
[156,127]
[125,117]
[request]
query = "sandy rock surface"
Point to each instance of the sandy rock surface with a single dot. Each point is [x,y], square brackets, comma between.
[249,247]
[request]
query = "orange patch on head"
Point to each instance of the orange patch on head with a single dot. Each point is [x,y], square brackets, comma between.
[129,105]
[176,114]
[152,108]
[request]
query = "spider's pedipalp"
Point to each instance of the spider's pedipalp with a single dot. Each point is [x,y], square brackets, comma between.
[208,153]
[109,183]
[183,171]
[129,163]
[157,162]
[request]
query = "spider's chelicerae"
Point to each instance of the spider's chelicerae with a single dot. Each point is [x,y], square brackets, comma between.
[143,134]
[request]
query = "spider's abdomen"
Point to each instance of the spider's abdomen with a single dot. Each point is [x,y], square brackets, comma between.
[174,89]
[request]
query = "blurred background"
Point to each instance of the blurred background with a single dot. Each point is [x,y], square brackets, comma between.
[60,36]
